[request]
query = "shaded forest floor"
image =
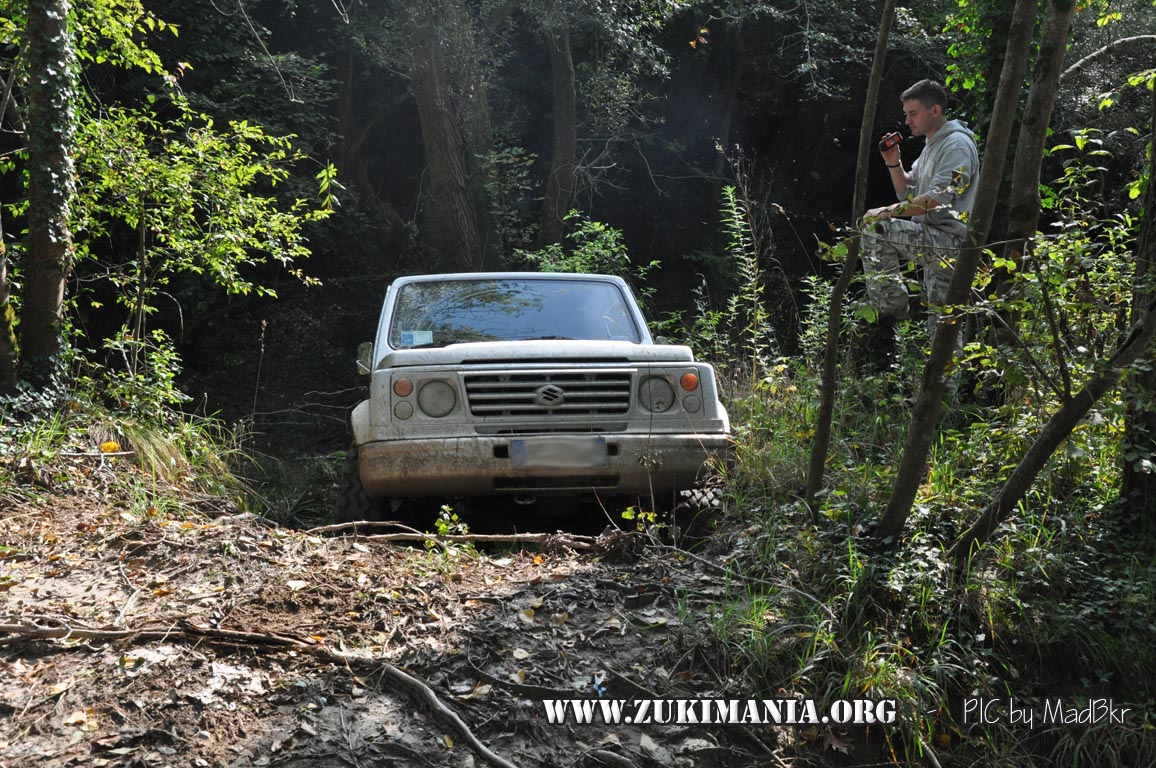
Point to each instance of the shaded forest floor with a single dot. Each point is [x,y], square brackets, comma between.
[200,636]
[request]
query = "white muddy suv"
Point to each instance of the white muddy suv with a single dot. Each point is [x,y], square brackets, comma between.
[528,385]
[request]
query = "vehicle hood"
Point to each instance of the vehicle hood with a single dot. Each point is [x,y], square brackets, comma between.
[547,352]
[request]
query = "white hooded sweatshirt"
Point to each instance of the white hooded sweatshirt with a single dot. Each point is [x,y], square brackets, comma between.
[947,170]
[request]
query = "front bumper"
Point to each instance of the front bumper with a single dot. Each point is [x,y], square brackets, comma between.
[482,466]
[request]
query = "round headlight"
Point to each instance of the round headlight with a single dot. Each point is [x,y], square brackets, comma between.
[656,394]
[436,398]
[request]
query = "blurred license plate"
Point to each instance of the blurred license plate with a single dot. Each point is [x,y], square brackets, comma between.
[558,452]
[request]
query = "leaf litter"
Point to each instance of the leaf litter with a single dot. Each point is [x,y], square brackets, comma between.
[491,635]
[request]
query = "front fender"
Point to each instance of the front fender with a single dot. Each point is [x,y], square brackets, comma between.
[361,423]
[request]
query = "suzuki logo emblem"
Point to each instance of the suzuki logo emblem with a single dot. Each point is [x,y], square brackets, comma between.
[549,396]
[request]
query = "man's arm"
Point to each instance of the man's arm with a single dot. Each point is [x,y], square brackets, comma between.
[900,179]
[904,208]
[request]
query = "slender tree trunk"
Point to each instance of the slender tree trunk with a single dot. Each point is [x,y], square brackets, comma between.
[730,107]
[929,400]
[452,227]
[9,350]
[1024,201]
[1138,486]
[477,129]
[822,442]
[51,129]
[345,70]
[9,355]
[560,184]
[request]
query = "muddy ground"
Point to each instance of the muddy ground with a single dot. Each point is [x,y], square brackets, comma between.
[199,636]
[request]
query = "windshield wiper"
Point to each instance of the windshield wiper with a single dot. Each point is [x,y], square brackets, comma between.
[550,338]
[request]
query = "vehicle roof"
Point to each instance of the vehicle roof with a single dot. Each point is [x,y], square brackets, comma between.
[508,276]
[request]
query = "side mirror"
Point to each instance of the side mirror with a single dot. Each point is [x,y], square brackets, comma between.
[365,358]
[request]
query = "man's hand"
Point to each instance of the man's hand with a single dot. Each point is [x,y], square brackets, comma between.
[879,214]
[892,156]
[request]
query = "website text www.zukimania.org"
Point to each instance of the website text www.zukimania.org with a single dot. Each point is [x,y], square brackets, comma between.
[720,711]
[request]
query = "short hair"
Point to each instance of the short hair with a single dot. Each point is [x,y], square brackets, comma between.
[927,93]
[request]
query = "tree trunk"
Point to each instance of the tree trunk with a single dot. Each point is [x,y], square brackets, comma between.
[51,184]
[1024,202]
[347,71]
[9,357]
[560,184]
[819,448]
[1138,486]
[452,227]
[9,350]
[929,400]
[730,107]
[473,110]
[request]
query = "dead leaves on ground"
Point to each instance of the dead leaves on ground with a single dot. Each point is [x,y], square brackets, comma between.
[492,634]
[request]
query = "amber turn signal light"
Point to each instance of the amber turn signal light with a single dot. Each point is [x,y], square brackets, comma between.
[689,382]
[402,387]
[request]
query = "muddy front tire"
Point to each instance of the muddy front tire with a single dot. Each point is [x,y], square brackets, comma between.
[354,503]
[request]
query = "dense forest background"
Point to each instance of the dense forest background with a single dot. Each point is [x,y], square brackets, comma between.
[456,134]
[203,202]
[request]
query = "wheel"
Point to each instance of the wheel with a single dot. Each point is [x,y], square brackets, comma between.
[354,503]
[695,513]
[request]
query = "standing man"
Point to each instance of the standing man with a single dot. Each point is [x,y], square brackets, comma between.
[929,223]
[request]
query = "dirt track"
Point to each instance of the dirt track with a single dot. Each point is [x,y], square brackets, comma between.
[259,646]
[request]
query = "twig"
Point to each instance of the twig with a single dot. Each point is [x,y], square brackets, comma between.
[606,757]
[929,755]
[447,715]
[1079,65]
[528,690]
[135,591]
[1054,327]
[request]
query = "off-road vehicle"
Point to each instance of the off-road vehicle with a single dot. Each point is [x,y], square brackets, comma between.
[533,386]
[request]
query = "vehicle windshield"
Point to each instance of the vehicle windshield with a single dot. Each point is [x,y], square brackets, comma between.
[438,313]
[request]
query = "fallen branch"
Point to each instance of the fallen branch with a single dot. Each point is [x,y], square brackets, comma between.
[19,633]
[545,540]
[418,690]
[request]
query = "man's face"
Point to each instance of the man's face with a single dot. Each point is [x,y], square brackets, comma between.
[921,119]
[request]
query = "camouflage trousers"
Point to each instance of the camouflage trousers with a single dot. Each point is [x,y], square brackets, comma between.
[893,247]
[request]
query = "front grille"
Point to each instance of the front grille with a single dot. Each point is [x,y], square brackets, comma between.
[536,393]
